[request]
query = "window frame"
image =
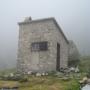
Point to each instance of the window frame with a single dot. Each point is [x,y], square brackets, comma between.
[39,46]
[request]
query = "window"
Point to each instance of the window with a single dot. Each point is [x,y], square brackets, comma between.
[39,46]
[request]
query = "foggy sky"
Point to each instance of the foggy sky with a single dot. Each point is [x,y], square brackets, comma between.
[73,17]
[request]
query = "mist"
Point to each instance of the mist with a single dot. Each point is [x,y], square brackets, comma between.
[73,16]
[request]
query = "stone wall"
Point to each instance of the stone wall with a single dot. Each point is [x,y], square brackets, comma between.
[29,60]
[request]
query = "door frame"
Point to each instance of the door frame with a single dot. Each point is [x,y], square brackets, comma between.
[58,57]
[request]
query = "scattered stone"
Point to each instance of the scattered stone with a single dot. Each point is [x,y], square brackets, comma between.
[65,70]
[38,74]
[43,74]
[65,79]
[76,70]
[72,69]
[81,82]
[84,80]
[11,74]
[29,73]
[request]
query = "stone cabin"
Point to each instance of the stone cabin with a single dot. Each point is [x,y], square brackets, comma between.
[42,47]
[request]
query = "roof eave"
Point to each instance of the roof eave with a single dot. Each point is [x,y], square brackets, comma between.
[50,18]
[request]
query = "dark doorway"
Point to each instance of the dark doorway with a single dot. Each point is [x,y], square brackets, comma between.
[58,57]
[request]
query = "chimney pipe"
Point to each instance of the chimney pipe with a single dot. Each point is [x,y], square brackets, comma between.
[28,19]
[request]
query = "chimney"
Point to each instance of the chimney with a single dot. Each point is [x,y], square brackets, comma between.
[28,19]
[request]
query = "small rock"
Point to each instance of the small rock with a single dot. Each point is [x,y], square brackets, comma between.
[81,82]
[72,69]
[65,79]
[43,74]
[29,73]
[76,69]
[85,79]
[38,74]
[11,74]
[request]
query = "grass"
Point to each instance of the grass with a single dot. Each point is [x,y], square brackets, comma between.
[43,83]
[7,71]
[85,64]
[49,83]
[8,84]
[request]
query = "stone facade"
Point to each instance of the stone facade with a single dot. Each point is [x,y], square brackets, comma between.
[44,30]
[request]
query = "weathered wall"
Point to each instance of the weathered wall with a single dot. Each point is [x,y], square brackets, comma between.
[63,46]
[41,60]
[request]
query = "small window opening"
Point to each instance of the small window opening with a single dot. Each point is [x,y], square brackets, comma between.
[39,46]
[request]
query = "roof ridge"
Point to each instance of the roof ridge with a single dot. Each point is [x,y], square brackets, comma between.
[36,20]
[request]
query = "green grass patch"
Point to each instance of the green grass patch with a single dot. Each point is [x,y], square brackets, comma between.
[43,83]
[49,83]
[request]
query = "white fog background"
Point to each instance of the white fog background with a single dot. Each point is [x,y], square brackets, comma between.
[73,17]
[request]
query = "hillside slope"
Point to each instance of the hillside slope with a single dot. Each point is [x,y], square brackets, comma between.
[85,64]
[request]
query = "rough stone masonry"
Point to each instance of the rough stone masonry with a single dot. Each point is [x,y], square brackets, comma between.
[42,46]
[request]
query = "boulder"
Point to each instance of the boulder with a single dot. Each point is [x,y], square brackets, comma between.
[38,74]
[11,74]
[43,74]
[84,80]
[29,72]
